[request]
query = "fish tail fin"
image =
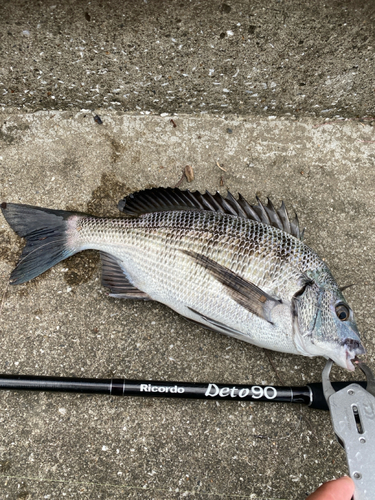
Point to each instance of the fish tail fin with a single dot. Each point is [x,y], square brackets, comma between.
[49,238]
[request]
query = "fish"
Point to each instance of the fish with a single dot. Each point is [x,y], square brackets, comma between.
[239,269]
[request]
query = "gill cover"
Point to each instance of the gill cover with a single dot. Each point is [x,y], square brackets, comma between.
[318,329]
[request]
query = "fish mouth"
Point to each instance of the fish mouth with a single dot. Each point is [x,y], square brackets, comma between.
[352,349]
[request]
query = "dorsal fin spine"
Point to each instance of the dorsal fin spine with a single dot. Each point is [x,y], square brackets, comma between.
[250,212]
[263,214]
[273,215]
[284,217]
[172,199]
[235,204]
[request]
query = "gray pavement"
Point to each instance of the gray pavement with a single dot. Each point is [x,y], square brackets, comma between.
[277,57]
[53,154]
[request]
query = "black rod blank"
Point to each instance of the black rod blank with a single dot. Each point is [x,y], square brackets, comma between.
[311,394]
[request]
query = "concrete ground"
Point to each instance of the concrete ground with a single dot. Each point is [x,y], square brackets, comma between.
[53,154]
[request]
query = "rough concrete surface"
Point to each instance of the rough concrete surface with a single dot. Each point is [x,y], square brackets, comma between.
[62,323]
[249,87]
[277,57]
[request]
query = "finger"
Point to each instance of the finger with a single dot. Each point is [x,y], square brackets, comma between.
[339,489]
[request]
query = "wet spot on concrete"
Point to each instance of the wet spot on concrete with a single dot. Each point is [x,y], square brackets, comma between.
[70,167]
[6,137]
[105,197]
[81,267]
[117,149]
[9,134]
[21,127]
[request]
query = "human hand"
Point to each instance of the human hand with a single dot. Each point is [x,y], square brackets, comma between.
[339,489]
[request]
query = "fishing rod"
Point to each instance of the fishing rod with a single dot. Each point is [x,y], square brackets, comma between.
[311,395]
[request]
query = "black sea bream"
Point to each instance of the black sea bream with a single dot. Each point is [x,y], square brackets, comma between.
[238,269]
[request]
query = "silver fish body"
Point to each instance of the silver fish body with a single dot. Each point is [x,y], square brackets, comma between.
[226,271]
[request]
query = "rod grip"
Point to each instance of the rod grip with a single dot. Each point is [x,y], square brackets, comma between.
[55,384]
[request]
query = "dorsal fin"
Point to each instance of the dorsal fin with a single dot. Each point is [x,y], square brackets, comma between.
[168,199]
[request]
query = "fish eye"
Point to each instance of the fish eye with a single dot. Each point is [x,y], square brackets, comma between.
[342,312]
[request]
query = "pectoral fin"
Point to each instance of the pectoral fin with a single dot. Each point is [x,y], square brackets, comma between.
[242,291]
[218,326]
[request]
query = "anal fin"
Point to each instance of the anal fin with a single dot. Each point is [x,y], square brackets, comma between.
[113,277]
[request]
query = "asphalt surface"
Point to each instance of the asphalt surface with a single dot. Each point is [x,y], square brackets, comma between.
[54,154]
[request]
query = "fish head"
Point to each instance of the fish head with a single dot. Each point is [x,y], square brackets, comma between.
[324,324]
